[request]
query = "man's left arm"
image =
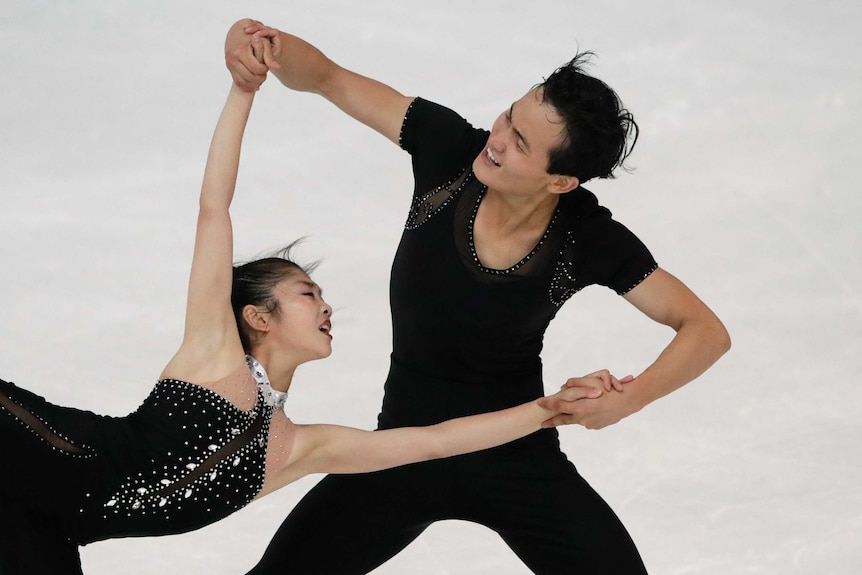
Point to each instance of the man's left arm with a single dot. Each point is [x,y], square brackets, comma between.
[700,340]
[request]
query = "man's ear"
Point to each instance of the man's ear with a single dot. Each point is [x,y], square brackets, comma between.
[563,184]
[257,319]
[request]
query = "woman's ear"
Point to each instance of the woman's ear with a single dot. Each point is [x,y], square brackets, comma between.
[257,319]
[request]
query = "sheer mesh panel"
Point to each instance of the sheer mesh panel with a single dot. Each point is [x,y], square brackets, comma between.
[428,204]
[532,264]
[39,427]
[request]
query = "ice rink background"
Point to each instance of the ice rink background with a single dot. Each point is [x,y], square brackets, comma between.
[744,187]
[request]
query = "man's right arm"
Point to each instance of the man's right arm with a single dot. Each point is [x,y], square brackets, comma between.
[300,66]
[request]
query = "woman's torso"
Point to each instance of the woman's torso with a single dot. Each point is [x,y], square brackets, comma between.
[188,456]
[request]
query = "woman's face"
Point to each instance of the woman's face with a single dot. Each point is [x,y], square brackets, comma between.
[301,327]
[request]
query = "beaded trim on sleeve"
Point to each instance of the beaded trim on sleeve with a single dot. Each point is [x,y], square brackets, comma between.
[272,397]
[404,122]
[637,283]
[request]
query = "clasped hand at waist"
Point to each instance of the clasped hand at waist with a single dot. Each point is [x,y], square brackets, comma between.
[595,401]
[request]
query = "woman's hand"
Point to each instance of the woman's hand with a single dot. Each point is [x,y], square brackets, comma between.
[251,50]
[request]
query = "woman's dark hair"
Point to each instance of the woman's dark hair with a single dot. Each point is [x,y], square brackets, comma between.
[254,284]
[598,128]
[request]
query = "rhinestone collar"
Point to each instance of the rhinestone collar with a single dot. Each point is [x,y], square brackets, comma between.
[272,397]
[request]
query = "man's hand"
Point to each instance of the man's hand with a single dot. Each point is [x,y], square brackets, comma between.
[608,381]
[593,411]
[567,395]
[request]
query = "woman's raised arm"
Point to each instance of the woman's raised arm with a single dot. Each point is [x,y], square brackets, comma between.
[210,327]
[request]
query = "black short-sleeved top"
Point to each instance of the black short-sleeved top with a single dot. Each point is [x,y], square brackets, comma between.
[456,320]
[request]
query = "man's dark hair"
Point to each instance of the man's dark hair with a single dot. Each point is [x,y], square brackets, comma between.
[598,127]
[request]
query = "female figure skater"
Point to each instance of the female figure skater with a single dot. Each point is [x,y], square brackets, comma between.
[500,235]
[212,435]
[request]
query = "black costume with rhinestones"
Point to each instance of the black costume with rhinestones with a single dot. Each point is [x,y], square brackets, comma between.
[185,458]
[467,339]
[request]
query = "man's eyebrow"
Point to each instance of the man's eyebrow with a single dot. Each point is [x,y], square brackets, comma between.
[517,133]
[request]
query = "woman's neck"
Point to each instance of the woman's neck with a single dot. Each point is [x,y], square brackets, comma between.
[279,368]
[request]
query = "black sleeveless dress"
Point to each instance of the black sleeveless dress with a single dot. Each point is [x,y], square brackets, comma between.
[185,458]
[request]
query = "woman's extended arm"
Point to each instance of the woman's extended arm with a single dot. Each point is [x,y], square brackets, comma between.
[209,325]
[336,449]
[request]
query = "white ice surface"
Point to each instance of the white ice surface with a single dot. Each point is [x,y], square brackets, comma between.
[750,115]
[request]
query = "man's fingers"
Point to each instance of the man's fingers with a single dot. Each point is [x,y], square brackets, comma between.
[271,43]
[590,381]
[576,393]
[608,381]
[618,383]
[605,376]
[269,56]
[257,48]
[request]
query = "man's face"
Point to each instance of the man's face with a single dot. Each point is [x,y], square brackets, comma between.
[516,157]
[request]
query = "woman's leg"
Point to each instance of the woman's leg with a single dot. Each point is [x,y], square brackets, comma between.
[34,487]
[29,545]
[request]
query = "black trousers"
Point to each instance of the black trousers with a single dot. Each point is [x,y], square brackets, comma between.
[526,491]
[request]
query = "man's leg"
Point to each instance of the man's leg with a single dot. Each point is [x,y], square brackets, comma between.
[350,524]
[547,513]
